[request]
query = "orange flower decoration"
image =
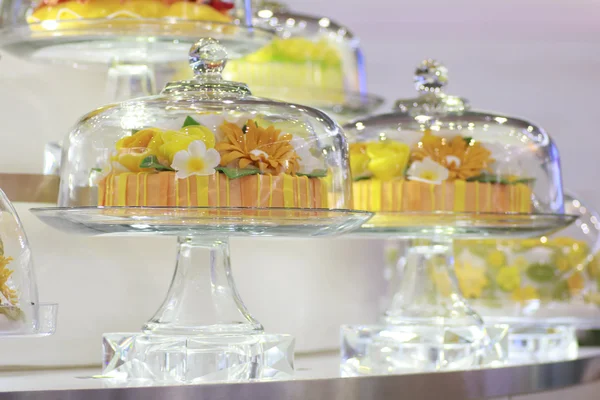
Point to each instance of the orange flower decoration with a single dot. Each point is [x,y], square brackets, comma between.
[464,159]
[264,148]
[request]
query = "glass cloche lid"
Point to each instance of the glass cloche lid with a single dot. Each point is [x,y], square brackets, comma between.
[433,153]
[315,61]
[206,142]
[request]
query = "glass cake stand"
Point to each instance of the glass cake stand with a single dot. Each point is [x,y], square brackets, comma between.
[429,326]
[202,332]
[130,47]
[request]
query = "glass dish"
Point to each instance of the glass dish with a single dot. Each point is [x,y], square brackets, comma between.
[21,313]
[129,36]
[434,171]
[204,160]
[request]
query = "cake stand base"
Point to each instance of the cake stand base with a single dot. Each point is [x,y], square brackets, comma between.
[535,343]
[381,350]
[178,359]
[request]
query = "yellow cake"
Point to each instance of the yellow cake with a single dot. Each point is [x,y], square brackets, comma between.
[59,10]
[311,70]
[457,196]
[237,166]
[437,174]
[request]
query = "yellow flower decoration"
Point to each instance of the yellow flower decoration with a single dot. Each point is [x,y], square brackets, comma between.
[265,148]
[496,259]
[576,283]
[387,159]
[471,280]
[525,294]
[9,294]
[521,263]
[462,159]
[509,278]
[176,141]
[442,283]
[359,160]
[131,150]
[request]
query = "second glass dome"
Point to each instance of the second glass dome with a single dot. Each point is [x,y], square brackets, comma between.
[433,153]
[206,142]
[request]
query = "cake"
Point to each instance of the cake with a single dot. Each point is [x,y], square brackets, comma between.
[437,174]
[238,165]
[311,70]
[9,298]
[58,10]
[500,273]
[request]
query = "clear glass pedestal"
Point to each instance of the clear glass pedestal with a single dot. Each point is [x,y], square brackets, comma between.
[428,325]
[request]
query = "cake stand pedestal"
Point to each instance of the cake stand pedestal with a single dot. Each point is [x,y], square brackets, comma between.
[202,332]
[429,326]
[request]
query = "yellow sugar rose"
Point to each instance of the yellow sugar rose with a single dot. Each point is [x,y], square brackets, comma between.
[471,280]
[175,141]
[496,259]
[509,278]
[131,150]
[525,294]
[359,160]
[388,159]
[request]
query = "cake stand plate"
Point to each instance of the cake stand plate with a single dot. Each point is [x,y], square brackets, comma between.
[202,332]
[428,324]
[444,224]
[145,41]
[206,221]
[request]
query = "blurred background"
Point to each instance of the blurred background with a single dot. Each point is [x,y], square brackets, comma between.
[530,58]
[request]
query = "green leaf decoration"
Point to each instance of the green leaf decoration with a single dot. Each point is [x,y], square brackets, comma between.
[468,139]
[561,291]
[189,121]
[152,162]
[245,128]
[134,131]
[234,173]
[96,169]
[317,173]
[541,273]
[361,178]
[490,178]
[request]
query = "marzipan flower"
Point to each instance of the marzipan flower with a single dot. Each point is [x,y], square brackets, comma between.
[471,280]
[131,150]
[463,159]
[308,162]
[196,160]
[359,160]
[427,171]
[525,294]
[388,159]
[264,148]
[508,278]
[176,141]
[9,294]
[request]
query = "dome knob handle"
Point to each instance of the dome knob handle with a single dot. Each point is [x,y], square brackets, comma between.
[207,57]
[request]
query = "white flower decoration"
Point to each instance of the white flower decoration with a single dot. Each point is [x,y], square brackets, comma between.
[427,171]
[308,162]
[196,160]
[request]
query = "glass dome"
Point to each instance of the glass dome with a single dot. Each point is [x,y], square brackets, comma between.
[546,279]
[123,31]
[314,61]
[20,310]
[206,142]
[433,153]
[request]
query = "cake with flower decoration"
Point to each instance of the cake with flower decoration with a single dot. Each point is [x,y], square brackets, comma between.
[242,163]
[438,173]
[59,10]
[9,298]
[529,272]
[310,70]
